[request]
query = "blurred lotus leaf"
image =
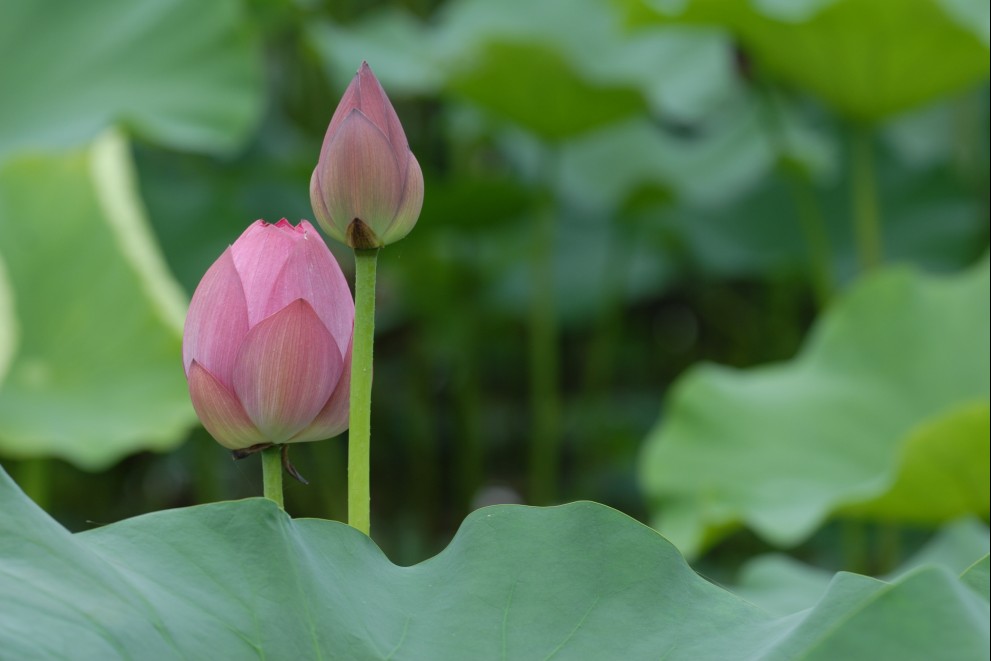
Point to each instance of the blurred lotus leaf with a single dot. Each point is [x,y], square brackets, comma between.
[886,403]
[96,373]
[869,59]
[180,72]
[781,584]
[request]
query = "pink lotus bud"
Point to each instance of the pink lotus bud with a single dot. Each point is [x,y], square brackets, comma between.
[267,342]
[367,188]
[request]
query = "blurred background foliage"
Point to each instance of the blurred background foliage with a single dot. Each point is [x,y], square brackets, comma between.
[720,265]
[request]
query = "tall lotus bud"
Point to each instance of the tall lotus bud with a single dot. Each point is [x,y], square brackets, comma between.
[367,188]
[267,342]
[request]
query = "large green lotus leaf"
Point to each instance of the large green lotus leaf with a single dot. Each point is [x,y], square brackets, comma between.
[782,585]
[181,72]
[895,375]
[96,374]
[869,59]
[581,581]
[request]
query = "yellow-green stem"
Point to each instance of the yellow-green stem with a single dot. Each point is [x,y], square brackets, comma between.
[470,455]
[866,215]
[810,215]
[272,474]
[206,482]
[816,237]
[853,540]
[359,436]
[35,480]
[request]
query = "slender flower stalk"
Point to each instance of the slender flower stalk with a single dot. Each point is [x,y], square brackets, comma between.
[359,436]
[866,214]
[272,475]
[366,192]
[545,402]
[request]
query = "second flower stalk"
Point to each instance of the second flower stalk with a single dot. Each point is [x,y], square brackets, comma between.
[366,192]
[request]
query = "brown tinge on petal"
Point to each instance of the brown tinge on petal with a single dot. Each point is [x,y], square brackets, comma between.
[361,237]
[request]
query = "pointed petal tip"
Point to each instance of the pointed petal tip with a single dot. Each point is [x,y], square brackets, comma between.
[286,370]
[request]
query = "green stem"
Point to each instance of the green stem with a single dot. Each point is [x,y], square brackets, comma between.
[272,474]
[544,397]
[327,462]
[866,215]
[467,397]
[816,238]
[359,436]
[810,216]
[888,547]
[35,480]
[206,481]
[423,457]
[854,545]
[607,329]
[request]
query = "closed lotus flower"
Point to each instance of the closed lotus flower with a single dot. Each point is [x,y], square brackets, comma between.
[267,342]
[367,188]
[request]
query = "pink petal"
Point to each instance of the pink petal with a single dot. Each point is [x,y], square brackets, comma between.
[361,177]
[350,100]
[377,107]
[220,412]
[412,202]
[333,418]
[365,93]
[259,255]
[320,210]
[311,272]
[217,320]
[286,370]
